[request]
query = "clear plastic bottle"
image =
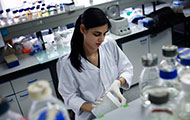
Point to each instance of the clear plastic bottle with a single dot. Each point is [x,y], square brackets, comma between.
[168,70]
[160,108]
[149,78]
[6,113]
[184,97]
[16,16]
[9,17]
[140,24]
[2,19]
[45,105]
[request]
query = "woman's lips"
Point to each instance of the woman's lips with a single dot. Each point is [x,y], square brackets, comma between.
[98,44]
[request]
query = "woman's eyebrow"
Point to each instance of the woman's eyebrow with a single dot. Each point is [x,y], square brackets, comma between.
[97,32]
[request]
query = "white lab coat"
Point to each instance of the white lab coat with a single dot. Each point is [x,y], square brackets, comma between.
[90,84]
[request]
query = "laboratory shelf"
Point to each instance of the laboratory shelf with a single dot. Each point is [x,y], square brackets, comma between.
[60,19]
[130,3]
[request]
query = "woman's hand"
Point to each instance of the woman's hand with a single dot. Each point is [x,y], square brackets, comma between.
[115,88]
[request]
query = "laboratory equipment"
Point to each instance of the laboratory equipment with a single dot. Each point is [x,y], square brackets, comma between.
[149,78]
[120,26]
[113,12]
[160,108]
[168,70]
[45,105]
[11,60]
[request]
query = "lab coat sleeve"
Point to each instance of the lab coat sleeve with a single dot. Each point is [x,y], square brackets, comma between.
[125,68]
[68,87]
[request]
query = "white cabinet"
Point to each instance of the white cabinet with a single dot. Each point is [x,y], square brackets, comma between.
[24,102]
[22,83]
[156,43]
[134,50]
[7,91]
[14,106]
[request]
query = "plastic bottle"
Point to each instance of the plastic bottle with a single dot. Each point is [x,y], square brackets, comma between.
[140,24]
[9,17]
[2,19]
[35,13]
[149,78]
[6,113]
[160,108]
[184,97]
[168,70]
[43,11]
[45,105]
[39,11]
[22,15]
[16,16]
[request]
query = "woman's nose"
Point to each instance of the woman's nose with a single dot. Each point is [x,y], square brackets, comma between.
[101,38]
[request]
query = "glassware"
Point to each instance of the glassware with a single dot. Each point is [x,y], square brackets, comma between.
[160,108]
[168,70]
[149,78]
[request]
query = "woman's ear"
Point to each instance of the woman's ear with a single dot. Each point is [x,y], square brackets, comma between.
[82,29]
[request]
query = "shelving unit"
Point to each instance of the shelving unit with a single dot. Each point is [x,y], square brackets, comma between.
[52,21]
[130,3]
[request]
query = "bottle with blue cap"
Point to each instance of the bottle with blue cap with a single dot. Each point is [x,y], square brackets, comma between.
[44,105]
[168,70]
[149,78]
[184,78]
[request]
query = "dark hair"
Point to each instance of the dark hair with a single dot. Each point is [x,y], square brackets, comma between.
[92,17]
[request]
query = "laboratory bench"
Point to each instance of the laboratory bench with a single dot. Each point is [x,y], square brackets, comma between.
[131,111]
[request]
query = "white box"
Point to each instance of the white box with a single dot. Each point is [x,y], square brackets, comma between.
[108,104]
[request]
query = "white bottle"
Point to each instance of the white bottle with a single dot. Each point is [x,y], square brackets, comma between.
[140,24]
[16,16]
[6,113]
[149,78]
[2,18]
[9,17]
[168,70]
[45,105]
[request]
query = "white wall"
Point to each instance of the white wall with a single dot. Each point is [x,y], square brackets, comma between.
[11,4]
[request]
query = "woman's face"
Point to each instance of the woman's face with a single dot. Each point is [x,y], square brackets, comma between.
[94,37]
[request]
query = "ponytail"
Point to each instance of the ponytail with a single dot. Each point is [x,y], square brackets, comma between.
[77,46]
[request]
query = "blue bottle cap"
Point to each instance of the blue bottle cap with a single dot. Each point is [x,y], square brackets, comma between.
[1,11]
[8,10]
[168,75]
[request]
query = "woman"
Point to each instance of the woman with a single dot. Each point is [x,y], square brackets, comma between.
[94,66]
